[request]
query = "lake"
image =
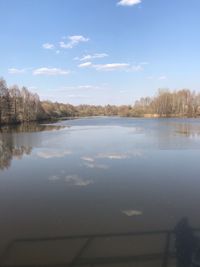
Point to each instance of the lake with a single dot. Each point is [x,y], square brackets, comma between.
[95,176]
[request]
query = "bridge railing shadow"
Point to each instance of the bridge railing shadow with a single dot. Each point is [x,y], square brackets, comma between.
[153,248]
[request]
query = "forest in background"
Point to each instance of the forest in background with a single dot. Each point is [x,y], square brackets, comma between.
[19,105]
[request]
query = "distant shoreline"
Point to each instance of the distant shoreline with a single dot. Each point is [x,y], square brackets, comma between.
[54,120]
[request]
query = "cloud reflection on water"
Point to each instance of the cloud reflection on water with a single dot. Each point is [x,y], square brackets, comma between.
[90,162]
[71,179]
[95,166]
[113,155]
[54,178]
[53,153]
[76,180]
[120,156]
[87,159]
[131,213]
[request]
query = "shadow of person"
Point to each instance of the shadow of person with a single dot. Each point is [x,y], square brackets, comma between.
[185,243]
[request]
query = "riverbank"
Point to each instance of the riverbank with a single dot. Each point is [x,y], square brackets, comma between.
[57,119]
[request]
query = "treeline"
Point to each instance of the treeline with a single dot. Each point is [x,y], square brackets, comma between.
[20,105]
[182,103]
[57,110]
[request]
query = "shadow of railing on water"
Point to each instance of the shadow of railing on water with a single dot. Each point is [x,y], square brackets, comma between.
[80,258]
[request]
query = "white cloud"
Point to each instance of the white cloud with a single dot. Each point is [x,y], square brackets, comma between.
[16,71]
[163,77]
[136,68]
[77,96]
[48,46]
[85,65]
[77,39]
[112,66]
[79,88]
[87,86]
[63,45]
[129,2]
[50,71]
[73,41]
[94,56]
[57,51]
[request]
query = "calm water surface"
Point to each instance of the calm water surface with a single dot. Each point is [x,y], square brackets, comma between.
[98,175]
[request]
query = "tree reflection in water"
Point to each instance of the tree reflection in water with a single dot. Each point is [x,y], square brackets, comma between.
[10,148]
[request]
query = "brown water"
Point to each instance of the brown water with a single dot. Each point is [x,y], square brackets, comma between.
[97,175]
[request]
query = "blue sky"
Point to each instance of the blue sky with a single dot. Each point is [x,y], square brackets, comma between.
[100,51]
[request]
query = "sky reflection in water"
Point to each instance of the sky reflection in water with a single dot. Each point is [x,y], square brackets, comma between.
[99,175]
